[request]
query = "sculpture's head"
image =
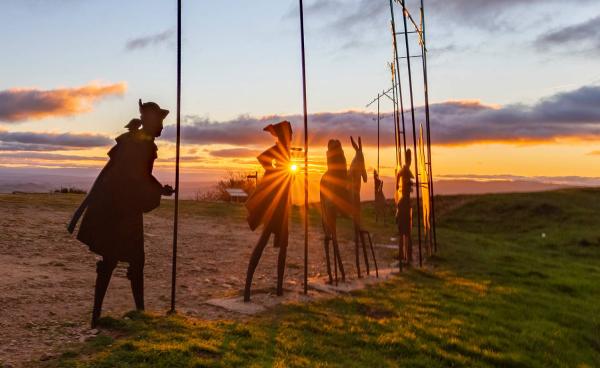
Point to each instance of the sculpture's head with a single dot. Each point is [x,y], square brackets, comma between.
[152,117]
[359,159]
[282,131]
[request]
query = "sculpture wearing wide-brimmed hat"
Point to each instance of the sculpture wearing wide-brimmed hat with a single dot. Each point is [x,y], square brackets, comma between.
[112,224]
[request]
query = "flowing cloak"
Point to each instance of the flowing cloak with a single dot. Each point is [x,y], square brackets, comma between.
[403,213]
[112,225]
[269,204]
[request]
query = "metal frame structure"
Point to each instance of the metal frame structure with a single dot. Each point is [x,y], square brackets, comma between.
[398,101]
[399,117]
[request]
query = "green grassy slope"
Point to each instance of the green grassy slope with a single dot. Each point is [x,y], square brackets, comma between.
[500,294]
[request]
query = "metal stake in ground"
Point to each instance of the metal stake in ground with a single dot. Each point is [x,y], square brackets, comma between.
[178,145]
[305,148]
[412,112]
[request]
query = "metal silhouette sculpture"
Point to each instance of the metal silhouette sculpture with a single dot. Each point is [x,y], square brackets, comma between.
[334,201]
[269,204]
[112,224]
[380,207]
[340,195]
[404,186]
[357,173]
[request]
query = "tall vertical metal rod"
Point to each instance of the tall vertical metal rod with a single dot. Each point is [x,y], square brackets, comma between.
[426,84]
[398,156]
[378,120]
[178,145]
[412,112]
[305,149]
[396,120]
[399,81]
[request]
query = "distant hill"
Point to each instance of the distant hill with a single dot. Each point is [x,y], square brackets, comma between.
[45,180]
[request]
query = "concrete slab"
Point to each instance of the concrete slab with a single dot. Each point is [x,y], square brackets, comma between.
[237,305]
[321,283]
[318,288]
[260,302]
[386,246]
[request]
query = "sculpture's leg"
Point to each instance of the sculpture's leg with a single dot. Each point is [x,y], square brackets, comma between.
[135,274]
[373,254]
[282,241]
[327,260]
[410,249]
[356,253]
[104,270]
[338,257]
[400,252]
[335,265]
[254,258]
[364,248]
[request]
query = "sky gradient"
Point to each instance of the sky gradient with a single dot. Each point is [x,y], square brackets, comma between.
[514,85]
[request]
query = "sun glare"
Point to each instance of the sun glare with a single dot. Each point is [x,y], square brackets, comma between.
[294,168]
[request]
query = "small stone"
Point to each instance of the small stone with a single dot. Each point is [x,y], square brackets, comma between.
[46,357]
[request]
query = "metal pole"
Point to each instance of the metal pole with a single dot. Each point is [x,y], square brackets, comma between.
[396,122]
[399,83]
[425,81]
[178,145]
[378,119]
[398,156]
[305,149]
[412,112]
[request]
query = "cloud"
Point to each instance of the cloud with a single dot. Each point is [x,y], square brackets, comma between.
[583,37]
[572,114]
[355,24]
[39,141]
[149,40]
[354,19]
[235,153]
[21,104]
[41,156]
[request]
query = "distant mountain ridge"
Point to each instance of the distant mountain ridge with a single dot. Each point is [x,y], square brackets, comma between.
[46,180]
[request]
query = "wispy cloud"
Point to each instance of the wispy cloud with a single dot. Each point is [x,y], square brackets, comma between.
[583,37]
[572,114]
[39,141]
[22,104]
[150,40]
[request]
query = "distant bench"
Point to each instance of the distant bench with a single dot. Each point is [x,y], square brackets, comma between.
[237,195]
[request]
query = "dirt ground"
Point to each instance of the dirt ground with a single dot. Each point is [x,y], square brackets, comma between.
[47,277]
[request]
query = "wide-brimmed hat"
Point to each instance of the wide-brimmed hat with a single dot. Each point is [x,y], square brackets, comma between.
[281,131]
[152,106]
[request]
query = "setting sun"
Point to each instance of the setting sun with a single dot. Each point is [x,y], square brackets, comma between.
[294,168]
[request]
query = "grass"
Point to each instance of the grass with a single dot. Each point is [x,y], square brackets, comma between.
[516,283]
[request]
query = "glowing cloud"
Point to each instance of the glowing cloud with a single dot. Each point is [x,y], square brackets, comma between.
[22,104]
